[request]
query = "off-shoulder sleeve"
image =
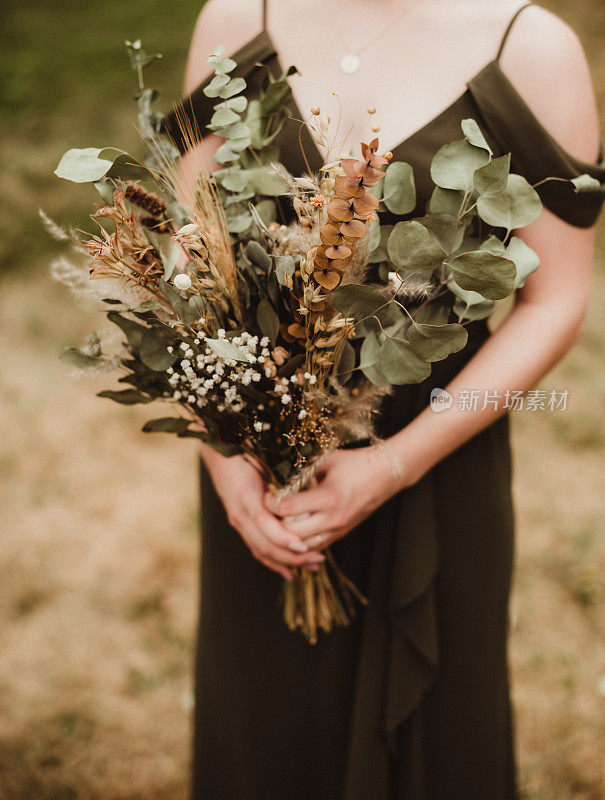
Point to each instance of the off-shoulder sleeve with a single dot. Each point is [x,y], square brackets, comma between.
[535,153]
[198,108]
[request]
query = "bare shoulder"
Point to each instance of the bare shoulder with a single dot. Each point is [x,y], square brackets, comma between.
[545,61]
[230,23]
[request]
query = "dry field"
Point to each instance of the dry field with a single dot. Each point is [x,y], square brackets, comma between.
[99,555]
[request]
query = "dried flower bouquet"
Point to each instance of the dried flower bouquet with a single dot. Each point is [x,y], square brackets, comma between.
[274,341]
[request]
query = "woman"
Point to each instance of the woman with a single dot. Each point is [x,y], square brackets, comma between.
[411,701]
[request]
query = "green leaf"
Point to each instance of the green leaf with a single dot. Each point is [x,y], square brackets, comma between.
[446,229]
[491,179]
[525,259]
[518,205]
[432,314]
[233,179]
[379,253]
[400,364]
[354,300]
[399,189]
[479,309]
[166,425]
[225,154]
[474,135]
[585,183]
[222,118]
[239,223]
[128,168]
[277,95]
[346,363]
[215,85]
[446,201]
[180,306]
[235,86]
[127,397]
[75,358]
[224,65]
[455,164]
[238,104]
[258,255]
[369,359]
[264,181]
[493,245]
[481,271]
[413,249]
[170,262]
[435,342]
[83,165]
[153,352]
[226,350]
[391,321]
[134,332]
[267,319]
[105,188]
[266,210]
[284,270]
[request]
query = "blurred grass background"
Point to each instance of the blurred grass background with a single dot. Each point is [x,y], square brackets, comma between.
[98,564]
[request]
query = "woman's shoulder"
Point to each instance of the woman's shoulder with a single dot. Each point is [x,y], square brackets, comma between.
[545,61]
[228,23]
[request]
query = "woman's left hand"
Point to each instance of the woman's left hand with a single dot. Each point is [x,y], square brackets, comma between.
[351,485]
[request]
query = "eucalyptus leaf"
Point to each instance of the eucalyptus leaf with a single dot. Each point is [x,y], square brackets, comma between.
[226,350]
[374,234]
[235,86]
[264,181]
[238,104]
[481,271]
[267,211]
[153,352]
[517,206]
[127,397]
[473,311]
[432,314]
[278,94]
[83,165]
[225,154]
[346,362]
[436,342]
[216,84]
[239,223]
[222,118]
[355,300]
[233,179]
[401,364]
[379,254]
[267,319]
[369,359]
[105,188]
[399,189]
[491,179]
[166,425]
[586,183]
[391,320]
[474,135]
[134,332]
[75,358]
[525,259]
[493,245]
[412,248]
[446,201]
[455,164]
[128,168]
[258,255]
[446,229]
[284,270]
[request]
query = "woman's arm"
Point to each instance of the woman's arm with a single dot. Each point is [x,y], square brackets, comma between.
[545,322]
[241,489]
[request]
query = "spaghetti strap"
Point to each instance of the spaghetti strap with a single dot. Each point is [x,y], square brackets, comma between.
[509,28]
[264,15]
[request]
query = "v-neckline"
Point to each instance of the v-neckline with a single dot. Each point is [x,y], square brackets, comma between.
[271,49]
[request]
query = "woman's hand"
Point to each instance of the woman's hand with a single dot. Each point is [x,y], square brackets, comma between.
[242,491]
[352,484]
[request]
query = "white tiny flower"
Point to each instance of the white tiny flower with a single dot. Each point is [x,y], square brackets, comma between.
[264,342]
[256,377]
[285,398]
[302,413]
[293,379]
[220,333]
[182,281]
[176,395]
[258,426]
[313,379]
[191,398]
[170,348]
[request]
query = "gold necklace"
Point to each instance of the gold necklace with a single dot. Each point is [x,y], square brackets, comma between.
[351,60]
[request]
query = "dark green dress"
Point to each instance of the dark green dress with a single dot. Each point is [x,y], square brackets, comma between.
[412,700]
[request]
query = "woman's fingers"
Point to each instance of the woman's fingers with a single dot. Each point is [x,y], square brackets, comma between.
[271,542]
[309,501]
[309,525]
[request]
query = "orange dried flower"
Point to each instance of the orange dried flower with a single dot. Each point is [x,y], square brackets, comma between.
[318,201]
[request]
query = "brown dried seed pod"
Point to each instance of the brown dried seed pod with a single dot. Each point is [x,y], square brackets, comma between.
[353,230]
[345,188]
[327,278]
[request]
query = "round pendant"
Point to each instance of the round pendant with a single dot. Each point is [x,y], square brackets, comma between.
[350,63]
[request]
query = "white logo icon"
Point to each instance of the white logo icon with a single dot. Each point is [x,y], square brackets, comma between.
[440,400]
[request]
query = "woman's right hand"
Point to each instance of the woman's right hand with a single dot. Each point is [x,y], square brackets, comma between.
[242,490]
